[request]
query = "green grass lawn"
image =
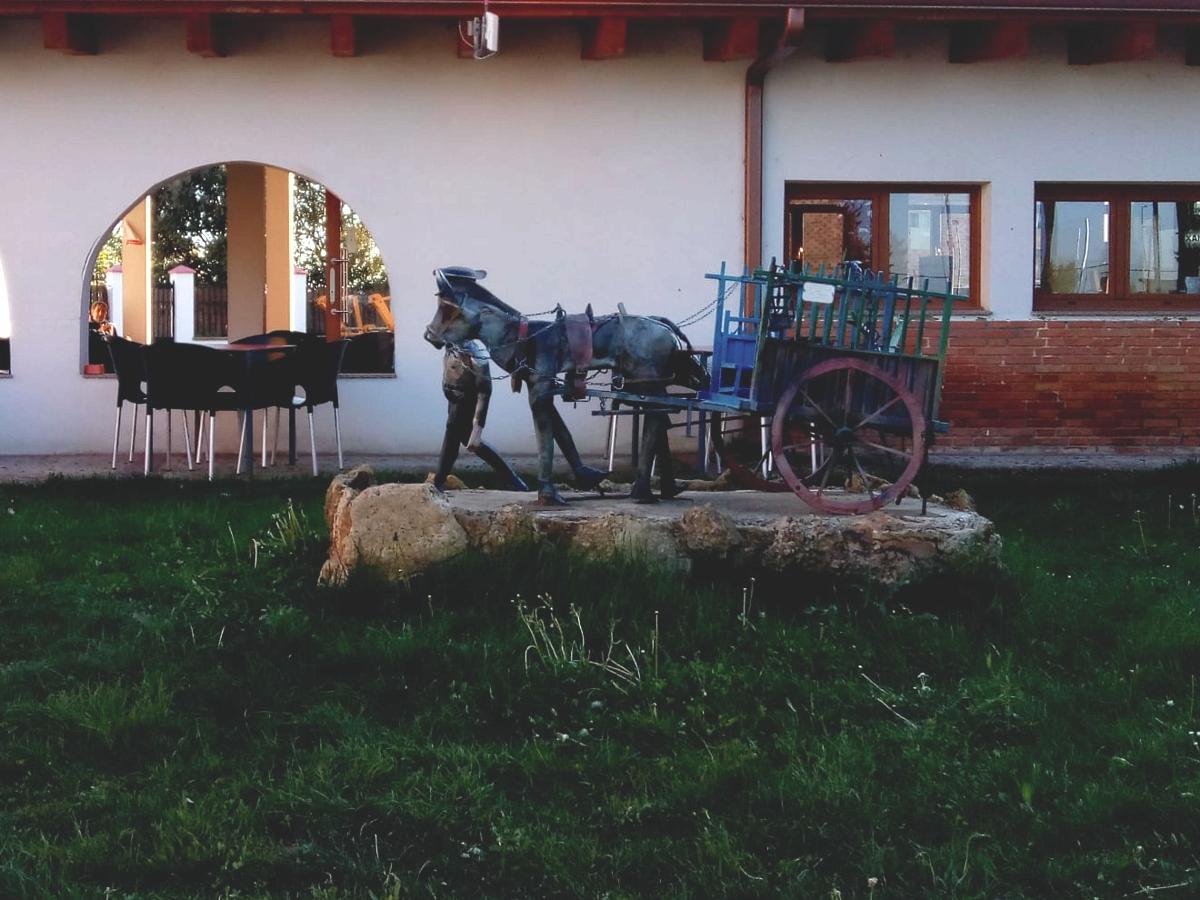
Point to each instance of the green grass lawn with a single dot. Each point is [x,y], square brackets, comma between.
[183,713]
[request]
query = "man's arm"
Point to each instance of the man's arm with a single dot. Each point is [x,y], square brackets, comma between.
[483,386]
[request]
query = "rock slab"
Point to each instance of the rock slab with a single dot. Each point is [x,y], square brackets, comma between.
[398,530]
[394,530]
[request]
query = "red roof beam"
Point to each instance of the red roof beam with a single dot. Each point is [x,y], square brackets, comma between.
[343,35]
[604,38]
[973,42]
[70,33]
[730,39]
[1089,45]
[205,35]
[850,41]
[1191,47]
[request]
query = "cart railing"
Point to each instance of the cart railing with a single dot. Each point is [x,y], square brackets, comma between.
[848,308]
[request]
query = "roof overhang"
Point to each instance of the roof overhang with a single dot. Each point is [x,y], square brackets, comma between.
[980,30]
[815,10]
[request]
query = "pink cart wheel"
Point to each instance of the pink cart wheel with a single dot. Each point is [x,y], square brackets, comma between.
[848,437]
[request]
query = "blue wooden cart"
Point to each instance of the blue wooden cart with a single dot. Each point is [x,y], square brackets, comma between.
[824,383]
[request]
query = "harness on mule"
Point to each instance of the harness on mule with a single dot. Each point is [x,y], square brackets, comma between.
[578,329]
[573,352]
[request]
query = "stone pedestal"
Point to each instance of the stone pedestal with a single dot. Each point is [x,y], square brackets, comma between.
[397,530]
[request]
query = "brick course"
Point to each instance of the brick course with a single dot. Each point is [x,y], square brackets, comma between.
[1066,385]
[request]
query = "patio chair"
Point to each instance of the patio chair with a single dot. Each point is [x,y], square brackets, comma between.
[130,370]
[279,336]
[188,378]
[318,363]
[277,390]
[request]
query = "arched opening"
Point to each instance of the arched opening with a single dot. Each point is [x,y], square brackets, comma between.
[233,249]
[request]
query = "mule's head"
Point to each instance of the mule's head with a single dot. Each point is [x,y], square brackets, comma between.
[455,322]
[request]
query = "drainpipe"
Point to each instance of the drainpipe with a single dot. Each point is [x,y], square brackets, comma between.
[777,51]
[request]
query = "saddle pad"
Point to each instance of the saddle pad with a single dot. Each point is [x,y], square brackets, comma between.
[579,340]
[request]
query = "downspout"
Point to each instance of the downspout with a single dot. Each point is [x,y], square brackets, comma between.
[779,49]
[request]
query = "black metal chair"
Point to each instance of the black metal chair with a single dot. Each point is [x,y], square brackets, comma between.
[130,369]
[314,368]
[189,378]
[276,388]
[317,365]
[278,336]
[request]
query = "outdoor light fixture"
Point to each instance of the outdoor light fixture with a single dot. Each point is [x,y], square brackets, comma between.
[483,34]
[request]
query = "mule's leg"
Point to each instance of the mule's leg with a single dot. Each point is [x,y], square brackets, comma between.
[541,405]
[668,487]
[640,491]
[586,477]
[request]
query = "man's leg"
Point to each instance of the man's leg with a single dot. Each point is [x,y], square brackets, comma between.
[458,429]
[489,455]
[586,477]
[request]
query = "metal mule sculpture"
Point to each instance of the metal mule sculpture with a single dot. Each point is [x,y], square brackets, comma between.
[645,353]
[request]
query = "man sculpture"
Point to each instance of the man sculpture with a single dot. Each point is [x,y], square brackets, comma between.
[467,384]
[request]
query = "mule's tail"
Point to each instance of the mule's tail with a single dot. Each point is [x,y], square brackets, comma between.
[686,369]
[674,329]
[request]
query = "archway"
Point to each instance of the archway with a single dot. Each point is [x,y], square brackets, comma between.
[232,249]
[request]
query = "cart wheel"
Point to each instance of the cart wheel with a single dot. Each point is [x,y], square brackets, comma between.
[848,437]
[737,439]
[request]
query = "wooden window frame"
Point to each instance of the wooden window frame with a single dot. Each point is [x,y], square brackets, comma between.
[1118,297]
[878,192]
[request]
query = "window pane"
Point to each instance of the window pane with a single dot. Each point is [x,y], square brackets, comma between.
[930,237]
[1164,247]
[1072,246]
[827,232]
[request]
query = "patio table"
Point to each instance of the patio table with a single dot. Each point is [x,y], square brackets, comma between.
[253,359]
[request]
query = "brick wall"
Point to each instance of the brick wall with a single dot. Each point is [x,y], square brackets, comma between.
[1069,385]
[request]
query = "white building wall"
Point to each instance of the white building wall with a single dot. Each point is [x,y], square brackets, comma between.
[1005,125]
[571,182]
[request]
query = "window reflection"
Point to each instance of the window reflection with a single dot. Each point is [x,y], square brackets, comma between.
[1072,245]
[930,237]
[919,231]
[1164,247]
[828,232]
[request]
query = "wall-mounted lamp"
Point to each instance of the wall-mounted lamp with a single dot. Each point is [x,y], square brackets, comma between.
[483,35]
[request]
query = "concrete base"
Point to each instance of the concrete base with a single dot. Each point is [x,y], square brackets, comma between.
[744,508]
[34,468]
